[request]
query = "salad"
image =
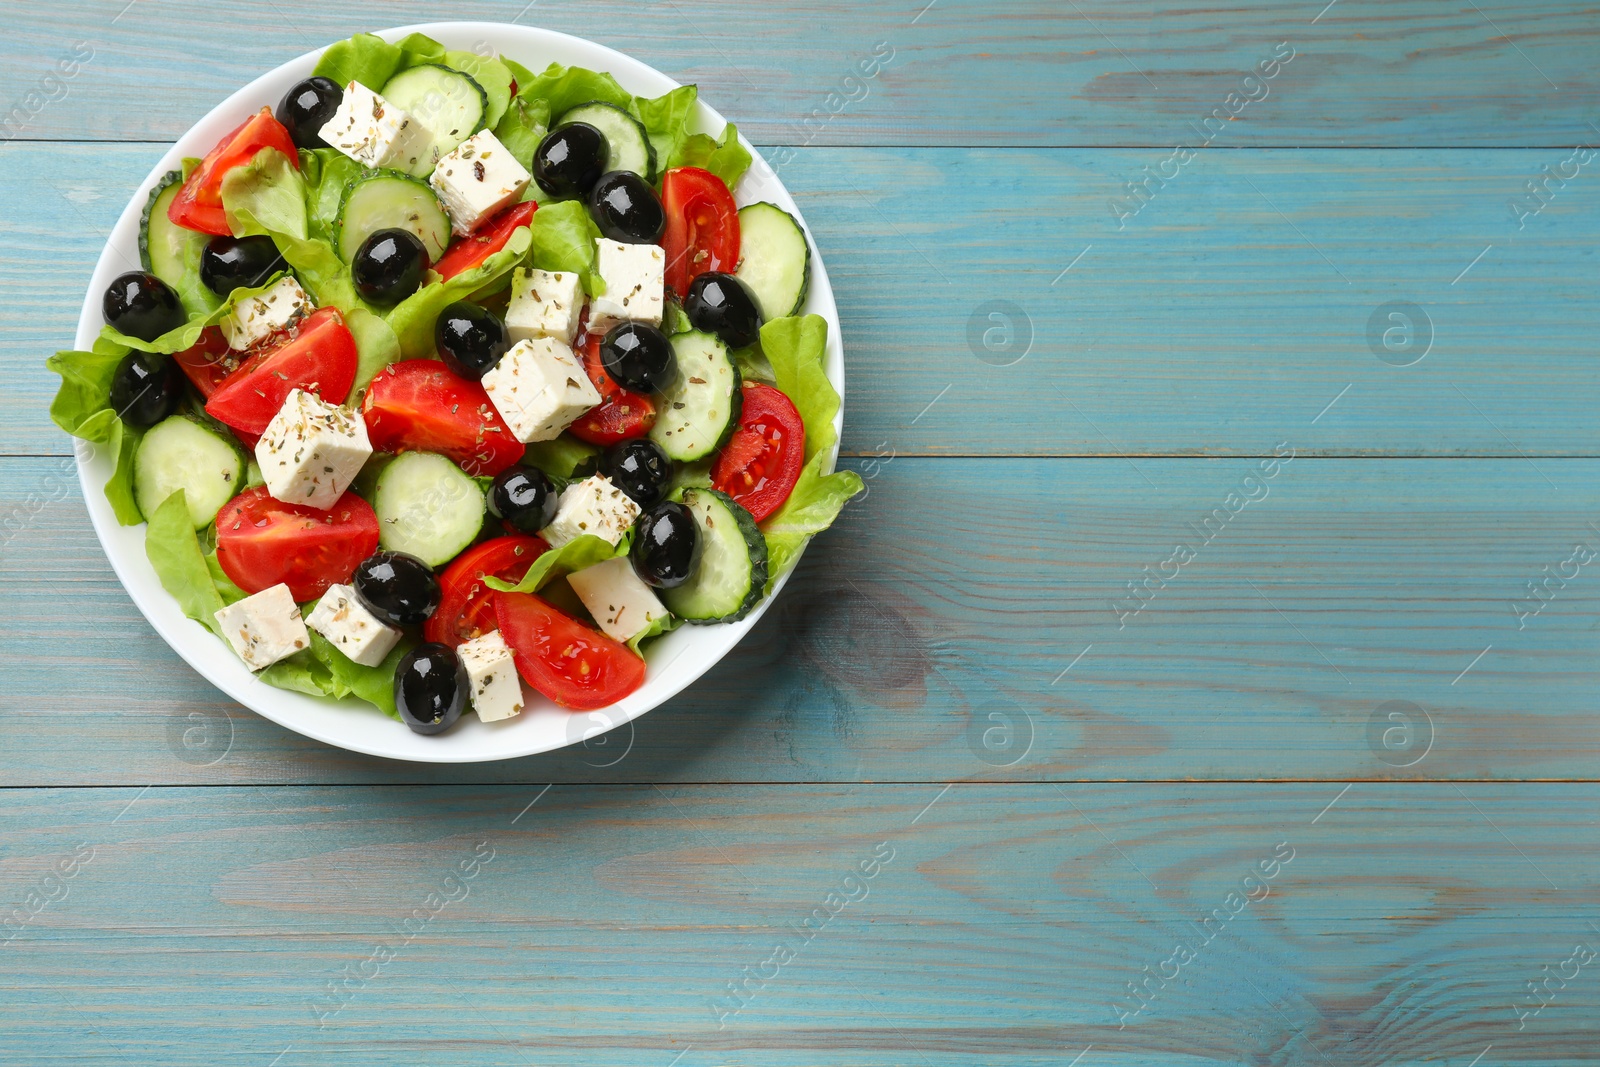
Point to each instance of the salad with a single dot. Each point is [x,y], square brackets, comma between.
[445,376]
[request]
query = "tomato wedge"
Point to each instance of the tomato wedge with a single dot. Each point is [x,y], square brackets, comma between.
[621,413]
[318,356]
[420,405]
[262,541]
[471,250]
[761,462]
[209,362]
[702,226]
[574,665]
[198,205]
[466,608]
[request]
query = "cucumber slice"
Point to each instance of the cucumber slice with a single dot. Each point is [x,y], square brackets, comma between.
[775,259]
[701,408]
[733,562]
[387,199]
[427,507]
[167,250]
[627,144]
[179,453]
[449,103]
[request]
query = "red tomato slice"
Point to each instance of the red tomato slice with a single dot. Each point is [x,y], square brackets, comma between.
[420,405]
[318,356]
[762,460]
[262,541]
[466,609]
[621,413]
[574,665]
[702,226]
[209,362]
[198,205]
[491,237]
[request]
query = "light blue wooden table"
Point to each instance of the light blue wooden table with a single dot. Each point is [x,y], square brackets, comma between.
[1005,778]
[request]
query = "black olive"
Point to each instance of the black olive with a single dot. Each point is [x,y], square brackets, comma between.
[430,688]
[142,305]
[146,389]
[470,340]
[719,303]
[666,545]
[570,159]
[525,497]
[639,357]
[307,107]
[640,469]
[626,209]
[230,263]
[389,266]
[399,589]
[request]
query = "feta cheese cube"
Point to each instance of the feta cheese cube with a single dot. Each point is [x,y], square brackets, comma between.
[351,628]
[478,179]
[544,304]
[619,600]
[496,689]
[264,628]
[633,281]
[256,317]
[374,132]
[592,506]
[540,389]
[311,451]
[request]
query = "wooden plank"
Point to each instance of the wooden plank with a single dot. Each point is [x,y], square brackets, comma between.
[943,631]
[1227,315]
[1391,925]
[1095,72]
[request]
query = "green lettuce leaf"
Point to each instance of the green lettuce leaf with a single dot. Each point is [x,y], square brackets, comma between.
[575,555]
[666,120]
[412,320]
[796,348]
[656,629]
[327,174]
[521,128]
[119,489]
[341,677]
[726,158]
[561,457]
[82,406]
[173,548]
[563,240]
[185,336]
[564,88]
[376,345]
[372,61]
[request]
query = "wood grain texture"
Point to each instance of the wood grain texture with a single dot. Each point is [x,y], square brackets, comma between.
[604,925]
[1225,316]
[1034,72]
[927,636]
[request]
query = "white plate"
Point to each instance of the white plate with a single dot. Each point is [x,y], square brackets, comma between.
[675,660]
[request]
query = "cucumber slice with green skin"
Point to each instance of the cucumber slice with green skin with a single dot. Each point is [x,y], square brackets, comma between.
[427,507]
[775,259]
[180,453]
[700,410]
[732,574]
[628,146]
[167,250]
[387,199]
[448,103]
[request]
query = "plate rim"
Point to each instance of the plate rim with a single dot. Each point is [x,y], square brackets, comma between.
[198,647]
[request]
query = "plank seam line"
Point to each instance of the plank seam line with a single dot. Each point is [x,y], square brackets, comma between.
[1045,783]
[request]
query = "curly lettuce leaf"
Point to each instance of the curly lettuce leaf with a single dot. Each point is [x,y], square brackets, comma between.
[561,457]
[327,174]
[412,320]
[563,240]
[655,629]
[564,88]
[342,677]
[187,335]
[575,555]
[119,489]
[521,128]
[727,158]
[796,348]
[372,61]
